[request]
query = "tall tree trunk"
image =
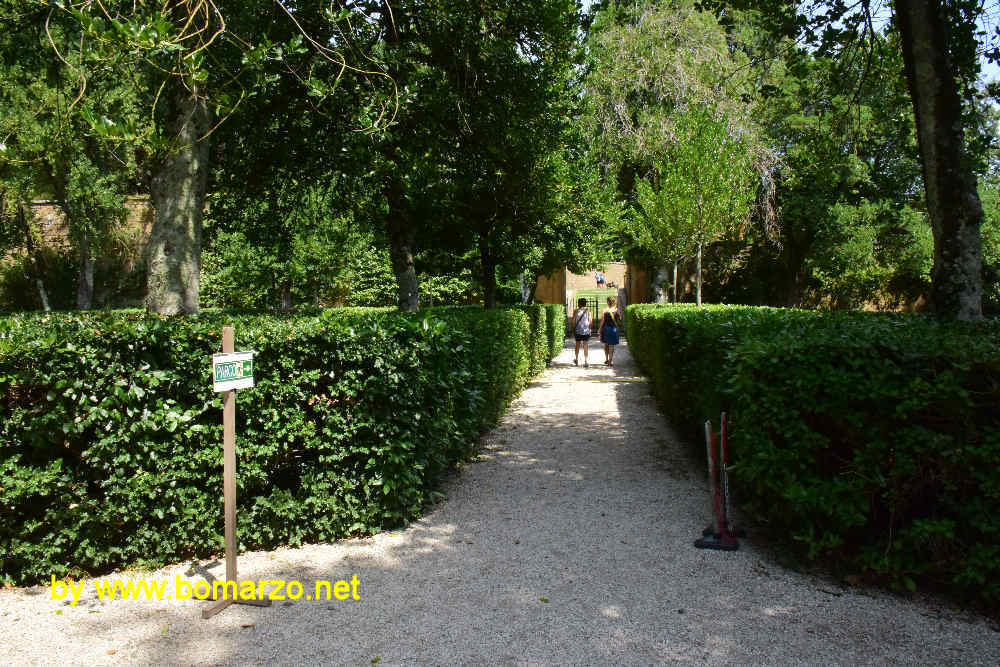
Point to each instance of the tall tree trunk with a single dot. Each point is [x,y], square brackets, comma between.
[85,279]
[658,278]
[400,227]
[286,296]
[698,278]
[950,185]
[85,268]
[36,269]
[489,268]
[177,190]
[675,281]
[401,241]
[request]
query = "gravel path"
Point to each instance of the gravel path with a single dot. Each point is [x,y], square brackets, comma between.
[569,541]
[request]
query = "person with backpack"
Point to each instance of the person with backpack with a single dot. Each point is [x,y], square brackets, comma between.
[581,330]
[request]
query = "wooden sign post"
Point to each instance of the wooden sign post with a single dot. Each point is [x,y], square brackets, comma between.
[230,371]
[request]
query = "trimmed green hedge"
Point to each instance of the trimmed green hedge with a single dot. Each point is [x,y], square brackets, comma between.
[555,323]
[538,341]
[110,433]
[868,440]
[548,322]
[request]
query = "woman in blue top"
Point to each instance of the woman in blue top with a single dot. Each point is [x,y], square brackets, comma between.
[609,330]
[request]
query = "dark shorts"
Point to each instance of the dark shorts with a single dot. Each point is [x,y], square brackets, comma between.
[582,338]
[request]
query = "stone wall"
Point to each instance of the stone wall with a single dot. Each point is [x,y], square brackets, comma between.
[50,221]
[119,277]
[613,273]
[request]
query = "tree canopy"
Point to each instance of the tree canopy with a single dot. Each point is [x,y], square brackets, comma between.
[297,153]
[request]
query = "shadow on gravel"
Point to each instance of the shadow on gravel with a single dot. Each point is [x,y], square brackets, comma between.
[551,548]
[568,540]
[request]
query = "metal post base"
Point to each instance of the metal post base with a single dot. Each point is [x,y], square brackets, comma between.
[718,542]
[733,531]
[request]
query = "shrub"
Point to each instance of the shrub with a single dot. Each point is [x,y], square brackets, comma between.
[499,352]
[538,338]
[110,441]
[868,440]
[555,324]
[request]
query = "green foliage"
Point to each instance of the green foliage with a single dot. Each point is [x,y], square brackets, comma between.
[869,252]
[448,289]
[501,351]
[648,60]
[672,113]
[17,288]
[292,245]
[853,229]
[538,343]
[990,194]
[110,437]
[372,282]
[118,278]
[555,326]
[48,148]
[866,440]
[704,185]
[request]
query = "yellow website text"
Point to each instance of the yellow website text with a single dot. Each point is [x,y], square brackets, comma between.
[249,589]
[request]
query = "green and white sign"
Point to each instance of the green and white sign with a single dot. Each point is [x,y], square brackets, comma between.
[232,371]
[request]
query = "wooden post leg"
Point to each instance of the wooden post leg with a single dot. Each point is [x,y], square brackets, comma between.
[229,489]
[229,483]
[215,608]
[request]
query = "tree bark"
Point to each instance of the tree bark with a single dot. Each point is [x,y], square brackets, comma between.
[401,254]
[402,237]
[400,226]
[659,277]
[698,279]
[36,269]
[489,268]
[85,279]
[286,297]
[675,281]
[177,190]
[85,268]
[949,182]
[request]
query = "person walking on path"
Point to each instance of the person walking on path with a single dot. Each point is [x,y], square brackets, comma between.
[609,330]
[581,329]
